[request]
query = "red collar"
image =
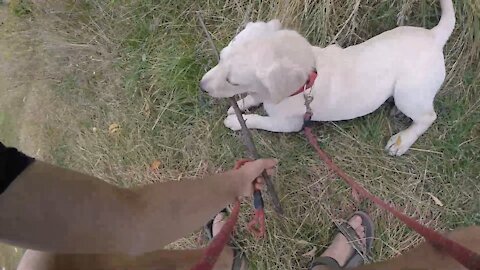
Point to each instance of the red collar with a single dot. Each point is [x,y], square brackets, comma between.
[308,84]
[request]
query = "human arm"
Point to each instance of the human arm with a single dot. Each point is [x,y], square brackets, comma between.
[59,210]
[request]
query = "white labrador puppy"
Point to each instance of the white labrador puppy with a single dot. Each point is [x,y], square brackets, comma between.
[270,64]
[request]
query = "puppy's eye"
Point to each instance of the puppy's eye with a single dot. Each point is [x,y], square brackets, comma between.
[234,84]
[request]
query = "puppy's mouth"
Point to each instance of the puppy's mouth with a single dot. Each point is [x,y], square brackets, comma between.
[216,94]
[203,87]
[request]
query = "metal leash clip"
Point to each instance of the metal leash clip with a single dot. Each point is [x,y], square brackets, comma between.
[307,95]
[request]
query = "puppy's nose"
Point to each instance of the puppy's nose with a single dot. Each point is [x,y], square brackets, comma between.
[202,86]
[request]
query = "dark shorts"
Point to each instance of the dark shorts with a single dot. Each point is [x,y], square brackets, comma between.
[12,163]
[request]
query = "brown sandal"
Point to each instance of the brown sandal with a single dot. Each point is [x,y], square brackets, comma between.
[360,256]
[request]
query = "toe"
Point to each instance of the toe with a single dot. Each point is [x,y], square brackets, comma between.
[355,221]
[393,144]
[360,231]
[401,150]
[400,143]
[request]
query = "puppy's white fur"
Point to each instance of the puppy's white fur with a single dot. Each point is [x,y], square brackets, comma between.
[270,64]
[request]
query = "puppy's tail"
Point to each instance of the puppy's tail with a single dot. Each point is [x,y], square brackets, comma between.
[447,22]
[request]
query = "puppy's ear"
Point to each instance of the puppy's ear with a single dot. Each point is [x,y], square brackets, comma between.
[282,79]
[275,25]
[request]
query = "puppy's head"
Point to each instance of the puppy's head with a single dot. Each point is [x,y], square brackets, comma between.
[263,60]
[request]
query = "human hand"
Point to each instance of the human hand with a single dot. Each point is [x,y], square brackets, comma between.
[248,176]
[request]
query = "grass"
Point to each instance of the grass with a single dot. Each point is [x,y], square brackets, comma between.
[137,64]
[21,7]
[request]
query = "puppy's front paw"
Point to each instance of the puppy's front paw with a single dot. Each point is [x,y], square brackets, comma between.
[399,143]
[232,123]
[230,111]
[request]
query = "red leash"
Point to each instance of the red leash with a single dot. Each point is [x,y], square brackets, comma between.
[216,246]
[463,255]
[256,227]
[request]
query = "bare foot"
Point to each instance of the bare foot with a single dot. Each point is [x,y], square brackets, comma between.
[217,225]
[340,249]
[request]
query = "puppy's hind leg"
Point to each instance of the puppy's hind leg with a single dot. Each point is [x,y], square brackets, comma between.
[274,124]
[401,142]
[419,107]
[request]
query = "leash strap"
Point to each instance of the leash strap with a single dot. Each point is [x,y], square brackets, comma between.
[463,255]
[210,256]
[308,84]
[256,226]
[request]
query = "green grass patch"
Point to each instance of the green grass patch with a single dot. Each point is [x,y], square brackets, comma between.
[21,7]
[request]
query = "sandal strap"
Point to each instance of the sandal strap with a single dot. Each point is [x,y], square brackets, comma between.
[353,239]
[326,261]
[238,259]
[208,228]
[238,255]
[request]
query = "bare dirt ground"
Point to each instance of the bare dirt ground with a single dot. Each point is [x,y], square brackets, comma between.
[21,114]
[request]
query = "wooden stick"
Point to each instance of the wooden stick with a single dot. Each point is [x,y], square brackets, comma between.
[246,134]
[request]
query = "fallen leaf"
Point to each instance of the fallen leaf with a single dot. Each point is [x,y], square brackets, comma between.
[311,253]
[155,165]
[114,128]
[435,199]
